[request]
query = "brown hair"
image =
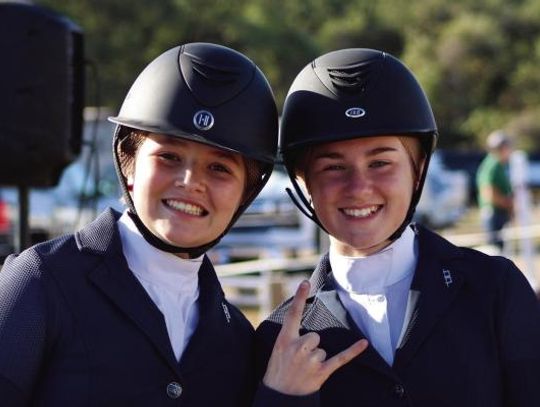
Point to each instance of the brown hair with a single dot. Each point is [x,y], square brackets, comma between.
[416,153]
[127,150]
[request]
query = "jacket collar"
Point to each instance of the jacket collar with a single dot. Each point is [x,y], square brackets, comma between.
[112,276]
[437,280]
[100,236]
[436,283]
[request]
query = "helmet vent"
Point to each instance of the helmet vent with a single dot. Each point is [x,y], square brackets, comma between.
[214,74]
[352,78]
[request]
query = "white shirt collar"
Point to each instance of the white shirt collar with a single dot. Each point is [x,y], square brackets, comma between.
[154,265]
[376,272]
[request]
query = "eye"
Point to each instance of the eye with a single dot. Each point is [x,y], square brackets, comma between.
[379,164]
[328,165]
[167,156]
[219,167]
[333,167]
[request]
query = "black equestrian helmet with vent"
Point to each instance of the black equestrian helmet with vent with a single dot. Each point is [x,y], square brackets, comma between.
[353,93]
[206,93]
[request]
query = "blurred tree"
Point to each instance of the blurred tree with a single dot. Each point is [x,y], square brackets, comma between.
[477,59]
[122,37]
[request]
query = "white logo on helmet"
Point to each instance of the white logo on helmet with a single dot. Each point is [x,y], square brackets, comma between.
[355,112]
[203,120]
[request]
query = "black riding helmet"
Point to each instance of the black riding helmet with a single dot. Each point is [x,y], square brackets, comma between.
[206,93]
[354,93]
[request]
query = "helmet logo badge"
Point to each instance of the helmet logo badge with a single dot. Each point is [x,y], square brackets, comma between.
[355,112]
[203,120]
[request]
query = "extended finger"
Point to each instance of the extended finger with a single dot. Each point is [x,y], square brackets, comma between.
[293,317]
[345,356]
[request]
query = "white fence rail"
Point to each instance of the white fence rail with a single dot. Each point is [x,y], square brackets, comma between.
[266,282]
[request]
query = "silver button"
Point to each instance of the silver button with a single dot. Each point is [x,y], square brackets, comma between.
[174,390]
[399,391]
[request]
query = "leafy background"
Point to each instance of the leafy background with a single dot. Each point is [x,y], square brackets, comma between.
[478,60]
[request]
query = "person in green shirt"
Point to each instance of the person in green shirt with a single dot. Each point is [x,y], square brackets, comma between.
[495,197]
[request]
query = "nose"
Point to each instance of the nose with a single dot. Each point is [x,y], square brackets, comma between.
[358,183]
[190,179]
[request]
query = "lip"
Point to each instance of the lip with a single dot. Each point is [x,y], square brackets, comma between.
[185,206]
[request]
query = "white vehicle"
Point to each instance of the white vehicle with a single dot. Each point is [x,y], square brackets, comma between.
[271,225]
[444,197]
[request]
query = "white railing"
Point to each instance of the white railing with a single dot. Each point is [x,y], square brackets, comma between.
[266,282]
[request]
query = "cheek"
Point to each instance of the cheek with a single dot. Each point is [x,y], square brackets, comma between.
[404,187]
[229,197]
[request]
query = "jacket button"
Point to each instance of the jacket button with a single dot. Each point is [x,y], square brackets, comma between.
[398,391]
[174,390]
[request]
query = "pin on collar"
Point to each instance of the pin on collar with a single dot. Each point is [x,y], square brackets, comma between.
[226,312]
[447,277]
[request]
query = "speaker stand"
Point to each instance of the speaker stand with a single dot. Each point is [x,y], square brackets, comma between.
[22,235]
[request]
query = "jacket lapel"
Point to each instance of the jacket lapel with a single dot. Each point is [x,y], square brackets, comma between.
[113,277]
[214,322]
[333,323]
[436,284]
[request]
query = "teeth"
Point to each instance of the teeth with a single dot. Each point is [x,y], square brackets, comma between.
[361,213]
[185,207]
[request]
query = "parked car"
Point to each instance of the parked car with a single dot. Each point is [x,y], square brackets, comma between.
[6,232]
[445,196]
[271,225]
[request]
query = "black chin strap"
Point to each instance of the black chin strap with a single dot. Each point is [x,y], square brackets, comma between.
[302,203]
[192,252]
[305,206]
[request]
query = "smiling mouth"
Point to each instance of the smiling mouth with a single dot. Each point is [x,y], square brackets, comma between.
[361,213]
[190,209]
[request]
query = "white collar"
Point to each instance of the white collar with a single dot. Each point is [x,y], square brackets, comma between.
[376,272]
[154,265]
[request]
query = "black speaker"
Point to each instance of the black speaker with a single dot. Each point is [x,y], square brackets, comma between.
[41,94]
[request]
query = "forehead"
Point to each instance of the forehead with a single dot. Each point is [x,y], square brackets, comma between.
[368,145]
[162,140]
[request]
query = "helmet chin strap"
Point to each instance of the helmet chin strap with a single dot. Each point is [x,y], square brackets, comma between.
[307,208]
[192,252]
[154,240]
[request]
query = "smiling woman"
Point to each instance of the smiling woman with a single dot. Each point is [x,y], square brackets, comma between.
[185,192]
[438,317]
[361,190]
[128,311]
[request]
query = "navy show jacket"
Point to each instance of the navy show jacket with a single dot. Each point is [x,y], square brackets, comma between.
[78,329]
[473,339]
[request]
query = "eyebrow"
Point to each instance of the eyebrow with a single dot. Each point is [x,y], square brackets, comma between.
[230,156]
[369,153]
[216,151]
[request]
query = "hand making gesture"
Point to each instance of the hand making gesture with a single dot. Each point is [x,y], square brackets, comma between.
[297,365]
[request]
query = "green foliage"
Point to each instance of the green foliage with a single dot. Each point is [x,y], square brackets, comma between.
[476,59]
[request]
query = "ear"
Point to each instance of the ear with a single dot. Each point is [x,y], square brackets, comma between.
[129,182]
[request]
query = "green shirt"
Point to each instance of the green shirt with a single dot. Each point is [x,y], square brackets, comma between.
[492,172]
